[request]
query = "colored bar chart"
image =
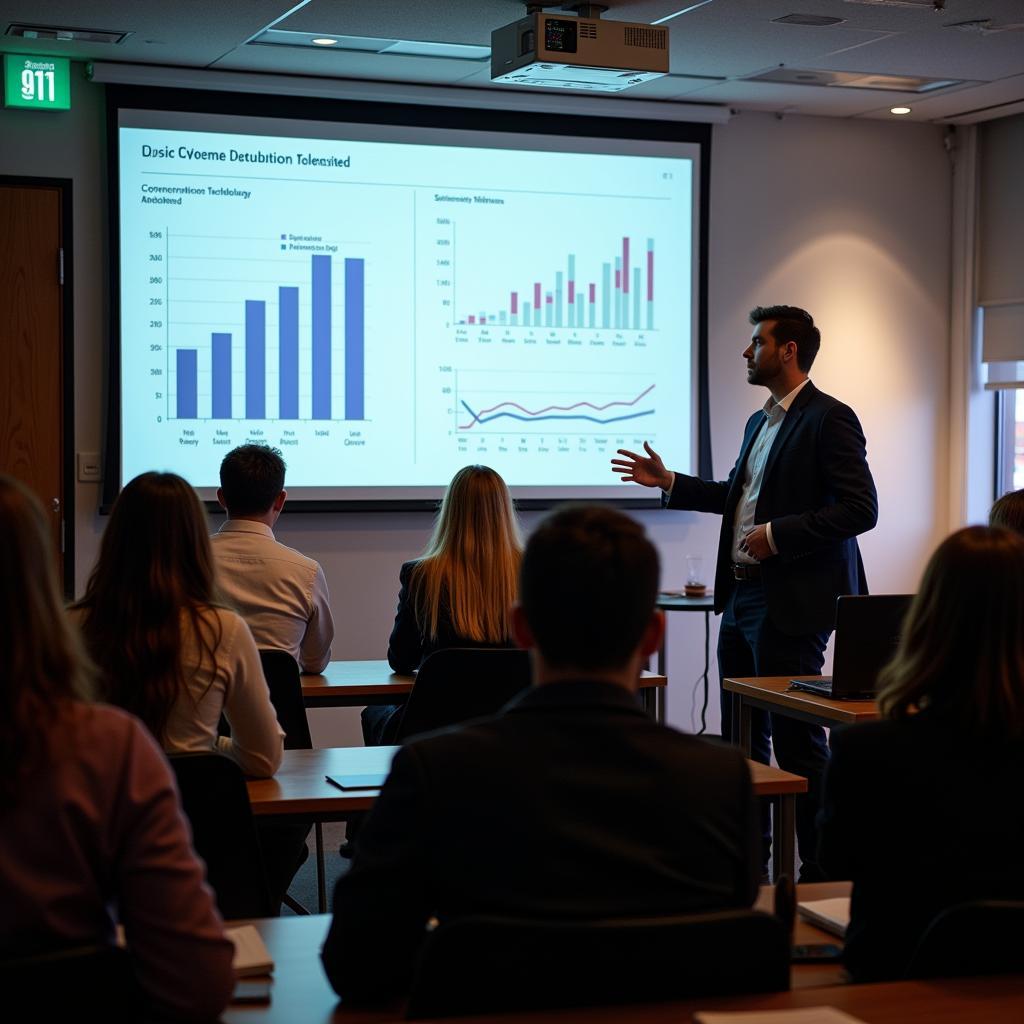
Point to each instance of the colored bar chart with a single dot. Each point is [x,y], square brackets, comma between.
[237,377]
[572,301]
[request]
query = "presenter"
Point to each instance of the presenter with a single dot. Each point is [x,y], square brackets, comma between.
[792,507]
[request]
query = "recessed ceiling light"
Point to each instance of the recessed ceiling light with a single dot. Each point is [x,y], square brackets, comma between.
[325,42]
[899,110]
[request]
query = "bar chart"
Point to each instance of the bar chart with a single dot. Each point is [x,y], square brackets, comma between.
[287,348]
[617,295]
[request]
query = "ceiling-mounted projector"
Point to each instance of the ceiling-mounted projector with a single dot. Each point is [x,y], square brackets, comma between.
[560,51]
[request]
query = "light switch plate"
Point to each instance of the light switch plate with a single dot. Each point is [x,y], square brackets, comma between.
[89,467]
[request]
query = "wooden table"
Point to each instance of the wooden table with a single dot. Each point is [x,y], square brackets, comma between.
[773,693]
[348,684]
[300,991]
[300,789]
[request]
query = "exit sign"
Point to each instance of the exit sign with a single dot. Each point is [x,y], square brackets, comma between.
[38,83]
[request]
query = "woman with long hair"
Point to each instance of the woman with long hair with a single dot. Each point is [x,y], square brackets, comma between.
[167,650]
[460,591]
[91,833]
[922,809]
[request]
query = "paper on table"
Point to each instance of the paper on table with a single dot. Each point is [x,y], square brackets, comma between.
[251,954]
[830,915]
[804,1015]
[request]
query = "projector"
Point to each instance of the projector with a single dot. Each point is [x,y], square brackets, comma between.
[558,51]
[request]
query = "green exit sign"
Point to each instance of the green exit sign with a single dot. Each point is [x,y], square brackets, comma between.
[39,83]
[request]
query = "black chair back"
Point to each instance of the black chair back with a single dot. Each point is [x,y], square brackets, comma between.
[980,937]
[216,803]
[91,982]
[456,684]
[282,674]
[480,965]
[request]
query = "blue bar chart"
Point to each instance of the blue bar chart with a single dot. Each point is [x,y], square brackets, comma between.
[259,401]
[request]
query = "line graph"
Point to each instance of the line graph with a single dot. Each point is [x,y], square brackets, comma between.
[513,402]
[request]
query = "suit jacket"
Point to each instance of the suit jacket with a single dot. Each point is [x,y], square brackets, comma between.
[920,816]
[408,645]
[817,493]
[571,803]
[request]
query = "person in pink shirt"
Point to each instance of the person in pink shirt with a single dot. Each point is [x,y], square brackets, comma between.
[91,831]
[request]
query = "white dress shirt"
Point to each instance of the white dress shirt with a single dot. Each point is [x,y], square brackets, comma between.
[280,593]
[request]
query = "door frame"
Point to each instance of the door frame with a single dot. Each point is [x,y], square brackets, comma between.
[66,188]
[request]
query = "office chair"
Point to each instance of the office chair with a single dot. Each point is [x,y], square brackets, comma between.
[457,684]
[979,937]
[216,803]
[284,843]
[94,982]
[478,965]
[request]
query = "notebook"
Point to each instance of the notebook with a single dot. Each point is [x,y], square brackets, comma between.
[867,631]
[830,915]
[364,780]
[251,954]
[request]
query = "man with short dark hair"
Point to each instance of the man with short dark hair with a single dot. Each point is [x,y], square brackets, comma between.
[621,816]
[791,509]
[281,594]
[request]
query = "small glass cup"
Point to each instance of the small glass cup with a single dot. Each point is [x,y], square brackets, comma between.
[694,570]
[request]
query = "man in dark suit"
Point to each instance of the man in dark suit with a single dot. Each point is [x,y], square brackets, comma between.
[571,803]
[791,509]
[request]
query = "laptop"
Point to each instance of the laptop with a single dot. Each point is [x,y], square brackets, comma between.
[868,629]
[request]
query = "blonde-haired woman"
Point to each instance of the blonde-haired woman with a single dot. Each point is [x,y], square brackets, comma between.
[923,809]
[91,833]
[460,592]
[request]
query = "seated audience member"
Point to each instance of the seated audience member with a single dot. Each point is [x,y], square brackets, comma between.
[460,592]
[1008,511]
[571,803]
[91,833]
[281,594]
[167,650]
[922,810]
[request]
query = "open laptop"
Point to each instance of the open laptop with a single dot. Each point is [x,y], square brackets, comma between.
[867,631]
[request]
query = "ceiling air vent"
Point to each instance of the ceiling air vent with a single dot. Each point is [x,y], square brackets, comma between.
[66,35]
[813,20]
[853,80]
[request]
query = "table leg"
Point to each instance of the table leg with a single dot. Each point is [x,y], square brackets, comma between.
[660,700]
[784,836]
[321,880]
[662,656]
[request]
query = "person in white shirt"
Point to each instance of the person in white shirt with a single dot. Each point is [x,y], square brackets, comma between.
[281,594]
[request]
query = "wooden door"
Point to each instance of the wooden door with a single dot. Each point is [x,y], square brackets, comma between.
[32,345]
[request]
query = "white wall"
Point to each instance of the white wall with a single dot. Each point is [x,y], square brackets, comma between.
[850,219]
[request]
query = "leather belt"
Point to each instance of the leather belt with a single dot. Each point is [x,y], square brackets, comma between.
[744,571]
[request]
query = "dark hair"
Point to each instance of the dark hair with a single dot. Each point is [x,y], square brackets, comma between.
[153,581]
[588,584]
[961,653]
[251,477]
[1008,511]
[42,665]
[792,324]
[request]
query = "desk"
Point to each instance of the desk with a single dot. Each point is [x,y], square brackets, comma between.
[772,693]
[300,789]
[347,684]
[681,603]
[300,991]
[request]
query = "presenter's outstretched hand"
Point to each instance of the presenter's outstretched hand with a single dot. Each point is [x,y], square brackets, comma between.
[649,472]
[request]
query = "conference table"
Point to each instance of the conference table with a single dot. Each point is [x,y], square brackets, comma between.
[300,991]
[348,684]
[774,694]
[300,789]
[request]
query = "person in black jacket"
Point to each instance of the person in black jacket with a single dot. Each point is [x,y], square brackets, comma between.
[792,507]
[571,803]
[459,593]
[923,809]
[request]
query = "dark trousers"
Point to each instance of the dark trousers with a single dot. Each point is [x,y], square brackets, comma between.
[750,645]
